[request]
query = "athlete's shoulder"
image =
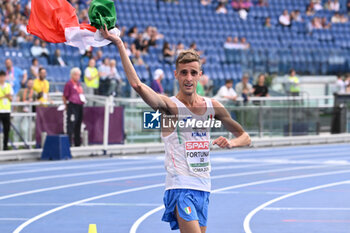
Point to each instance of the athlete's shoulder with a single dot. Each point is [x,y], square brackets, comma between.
[215,103]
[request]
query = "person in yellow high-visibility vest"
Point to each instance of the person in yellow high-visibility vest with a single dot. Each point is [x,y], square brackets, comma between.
[6,93]
[294,88]
[91,78]
[42,87]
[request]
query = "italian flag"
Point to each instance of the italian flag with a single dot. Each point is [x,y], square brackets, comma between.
[56,21]
[188,210]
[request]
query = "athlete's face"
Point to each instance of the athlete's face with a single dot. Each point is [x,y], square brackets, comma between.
[188,75]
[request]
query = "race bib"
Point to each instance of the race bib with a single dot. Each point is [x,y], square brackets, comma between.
[5,101]
[197,156]
[82,98]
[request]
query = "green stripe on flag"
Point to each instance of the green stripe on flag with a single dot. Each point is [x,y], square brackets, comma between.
[199,164]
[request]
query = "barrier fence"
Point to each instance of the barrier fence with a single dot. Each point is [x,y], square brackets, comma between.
[260,116]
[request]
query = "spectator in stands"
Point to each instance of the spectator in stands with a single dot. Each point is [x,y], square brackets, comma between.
[127,49]
[15,76]
[42,87]
[343,18]
[244,43]
[336,18]
[260,89]
[221,8]
[226,91]
[116,81]
[335,5]
[262,3]
[98,57]
[157,34]
[146,35]
[91,78]
[5,107]
[284,19]
[236,4]
[294,84]
[193,46]
[74,100]
[340,86]
[25,95]
[347,80]
[296,16]
[348,6]
[244,88]
[34,68]
[246,4]
[314,24]
[157,81]
[39,49]
[137,59]
[84,61]
[45,52]
[168,53]
[153,41]
[36,48]
[179,48]
[57,59]
[332,5]
[348,89]
[267,23]
[103,71]
[325,24]
[22,37]
[205,2]
[236,43]
[141,44]
[317,5]
[228,43]
[309,11]
[133,32]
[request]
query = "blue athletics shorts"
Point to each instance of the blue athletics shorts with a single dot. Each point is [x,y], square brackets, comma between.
[191,204]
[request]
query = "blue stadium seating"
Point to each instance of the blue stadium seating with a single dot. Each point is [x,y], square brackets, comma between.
[273,50]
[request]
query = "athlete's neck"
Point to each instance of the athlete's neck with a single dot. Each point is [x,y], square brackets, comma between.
[188,100]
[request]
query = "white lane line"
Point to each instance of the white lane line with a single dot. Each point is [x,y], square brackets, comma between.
[114,170]
[249,193]
[151,175]
[102,196]
[246,223]
[23,225]
[73,167]
[143,217]
[83,161]
[305,209]
[271,170]
[82,204]
[279,153]
[137,222]
[81,174]
[80,184]
[281,161]
[13,219]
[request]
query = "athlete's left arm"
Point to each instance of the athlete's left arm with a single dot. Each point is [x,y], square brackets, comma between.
[242,137]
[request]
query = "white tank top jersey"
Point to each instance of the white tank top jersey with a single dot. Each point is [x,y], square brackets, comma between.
[187,159]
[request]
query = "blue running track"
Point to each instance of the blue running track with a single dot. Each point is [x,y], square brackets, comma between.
[276,190]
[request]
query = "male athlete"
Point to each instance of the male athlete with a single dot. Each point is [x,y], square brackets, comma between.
[187,160]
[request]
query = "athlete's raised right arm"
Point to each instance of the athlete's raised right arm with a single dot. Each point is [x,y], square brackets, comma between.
[153,99]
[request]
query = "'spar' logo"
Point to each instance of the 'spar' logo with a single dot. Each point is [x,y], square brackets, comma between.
[151,120]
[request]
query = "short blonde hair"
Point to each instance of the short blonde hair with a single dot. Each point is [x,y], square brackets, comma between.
[188,56]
